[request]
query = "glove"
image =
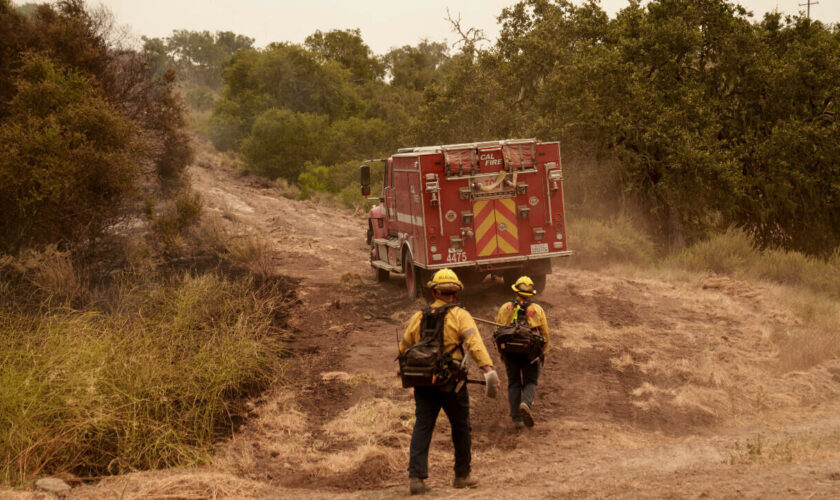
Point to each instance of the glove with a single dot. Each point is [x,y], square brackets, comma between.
[493,384]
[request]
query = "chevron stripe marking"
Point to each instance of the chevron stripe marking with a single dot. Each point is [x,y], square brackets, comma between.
[507,208]
[485,231]
[508,240]
[489,248]
[505,246]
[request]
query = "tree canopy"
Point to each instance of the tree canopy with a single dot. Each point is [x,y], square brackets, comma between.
[689,111]
[86,128]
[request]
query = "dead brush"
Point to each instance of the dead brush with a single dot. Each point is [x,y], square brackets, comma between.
[251,253]
[51,274]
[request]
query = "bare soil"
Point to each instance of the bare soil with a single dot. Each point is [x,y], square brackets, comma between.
[655,387]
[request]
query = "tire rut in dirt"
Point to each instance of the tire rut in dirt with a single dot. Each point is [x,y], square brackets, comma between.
[325,399]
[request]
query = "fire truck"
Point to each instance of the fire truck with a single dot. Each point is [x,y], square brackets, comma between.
[480,208]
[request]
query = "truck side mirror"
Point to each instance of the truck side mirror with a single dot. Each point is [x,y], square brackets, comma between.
[364,172]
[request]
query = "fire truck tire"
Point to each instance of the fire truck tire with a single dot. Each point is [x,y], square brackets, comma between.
[472,278]
[539,282]
[412,277]
[510,276]
[381,275]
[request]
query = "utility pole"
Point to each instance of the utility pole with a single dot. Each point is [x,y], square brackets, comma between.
[808,3]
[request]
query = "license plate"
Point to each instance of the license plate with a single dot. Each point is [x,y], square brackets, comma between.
[539,248]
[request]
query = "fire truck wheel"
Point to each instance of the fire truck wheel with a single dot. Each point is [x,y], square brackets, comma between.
[381,275]
[472,278]
[412,277]
[510,276]
[539,282]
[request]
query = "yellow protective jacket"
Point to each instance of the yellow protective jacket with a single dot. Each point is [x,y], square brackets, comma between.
[458,327]
[536,319]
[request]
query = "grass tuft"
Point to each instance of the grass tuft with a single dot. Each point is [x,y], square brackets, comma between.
[598,243]
[733,253]
[151,384]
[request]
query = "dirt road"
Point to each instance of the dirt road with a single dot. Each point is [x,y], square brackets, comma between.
[663,386]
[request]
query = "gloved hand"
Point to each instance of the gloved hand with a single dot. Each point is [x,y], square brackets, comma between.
[493,383]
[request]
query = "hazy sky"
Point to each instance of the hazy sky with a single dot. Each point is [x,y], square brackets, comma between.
[383,23]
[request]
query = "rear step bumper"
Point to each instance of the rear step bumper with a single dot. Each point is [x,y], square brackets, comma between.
[501,260]
[381,264]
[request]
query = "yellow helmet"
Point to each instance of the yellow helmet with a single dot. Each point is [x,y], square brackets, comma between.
[446,281]
[524,286]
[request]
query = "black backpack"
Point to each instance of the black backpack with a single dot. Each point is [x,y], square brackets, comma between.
[426,364]
[519,337]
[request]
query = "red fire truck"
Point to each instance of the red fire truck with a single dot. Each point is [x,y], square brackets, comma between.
[480,208]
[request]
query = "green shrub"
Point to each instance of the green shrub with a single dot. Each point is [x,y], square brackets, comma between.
[316,178]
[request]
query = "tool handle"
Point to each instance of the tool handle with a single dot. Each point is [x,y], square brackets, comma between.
[487,322]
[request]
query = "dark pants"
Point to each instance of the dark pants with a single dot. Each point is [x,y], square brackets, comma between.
[522,382]
[428,403]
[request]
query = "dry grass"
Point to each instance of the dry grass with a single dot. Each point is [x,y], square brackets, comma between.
[50,272]
[733,253]
[150,380]
[251,253]
[798,447]
[287,190]
[599,243]
[814,337]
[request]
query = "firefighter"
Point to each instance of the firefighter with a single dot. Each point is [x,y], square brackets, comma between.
[459,328]
[523,370]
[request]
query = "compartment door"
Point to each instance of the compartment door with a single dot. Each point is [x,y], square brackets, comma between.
[496,232]
[507,230]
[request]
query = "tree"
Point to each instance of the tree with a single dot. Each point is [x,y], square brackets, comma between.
[416,68]
[68,159]
[282,141]
[347,48]
[282,76]
[197,55]
[85,126]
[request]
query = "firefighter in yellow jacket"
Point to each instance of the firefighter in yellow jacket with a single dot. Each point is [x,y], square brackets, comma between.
[523,371]
[459,329]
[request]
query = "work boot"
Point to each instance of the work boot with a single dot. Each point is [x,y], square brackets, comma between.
[416,486]
[518,425]
[525,411]
[464,482]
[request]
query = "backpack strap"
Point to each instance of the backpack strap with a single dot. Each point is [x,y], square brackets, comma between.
[433,321]
[520,312]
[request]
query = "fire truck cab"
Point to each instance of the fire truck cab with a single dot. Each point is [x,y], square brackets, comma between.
[481,208]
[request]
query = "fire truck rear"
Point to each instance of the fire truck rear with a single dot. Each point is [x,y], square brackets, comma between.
[480,208]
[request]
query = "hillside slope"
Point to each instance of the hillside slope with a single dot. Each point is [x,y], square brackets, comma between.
[660,386]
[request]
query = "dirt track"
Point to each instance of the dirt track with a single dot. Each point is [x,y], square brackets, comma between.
[660,387]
